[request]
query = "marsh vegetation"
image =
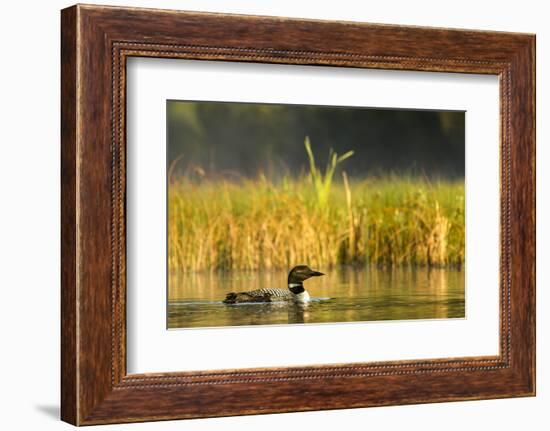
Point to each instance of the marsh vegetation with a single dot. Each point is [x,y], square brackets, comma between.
[321,216]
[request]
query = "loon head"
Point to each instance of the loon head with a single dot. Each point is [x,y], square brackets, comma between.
[298,275]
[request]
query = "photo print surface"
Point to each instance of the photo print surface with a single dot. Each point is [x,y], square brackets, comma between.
[296,214]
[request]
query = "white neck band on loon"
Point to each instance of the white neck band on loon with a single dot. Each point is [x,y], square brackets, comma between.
[296,288]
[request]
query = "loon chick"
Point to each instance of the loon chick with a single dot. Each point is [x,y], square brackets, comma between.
[295,292]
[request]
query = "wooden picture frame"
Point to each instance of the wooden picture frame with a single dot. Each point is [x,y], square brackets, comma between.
[95,43]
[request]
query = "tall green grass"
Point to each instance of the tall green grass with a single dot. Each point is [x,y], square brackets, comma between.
[314,219]
[258,224]
[323,183]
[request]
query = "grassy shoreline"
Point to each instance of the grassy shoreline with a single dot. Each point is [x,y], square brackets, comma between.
[261,224]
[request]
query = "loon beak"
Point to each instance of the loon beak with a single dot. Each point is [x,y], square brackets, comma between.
[316,273]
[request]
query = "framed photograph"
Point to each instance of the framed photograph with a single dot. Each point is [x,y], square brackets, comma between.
[264,215]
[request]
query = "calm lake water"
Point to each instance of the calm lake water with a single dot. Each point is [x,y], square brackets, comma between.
[343,295]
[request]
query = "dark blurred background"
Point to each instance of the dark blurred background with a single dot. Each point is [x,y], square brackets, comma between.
[246,139]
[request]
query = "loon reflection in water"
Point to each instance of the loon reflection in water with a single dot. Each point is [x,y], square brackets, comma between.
[345,294]
[295,293]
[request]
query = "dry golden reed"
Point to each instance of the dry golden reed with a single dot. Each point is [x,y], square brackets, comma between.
[261,224]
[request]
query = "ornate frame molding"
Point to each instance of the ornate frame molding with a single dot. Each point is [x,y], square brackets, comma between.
[96,41]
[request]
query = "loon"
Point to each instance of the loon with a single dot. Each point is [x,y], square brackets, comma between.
[295,292]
